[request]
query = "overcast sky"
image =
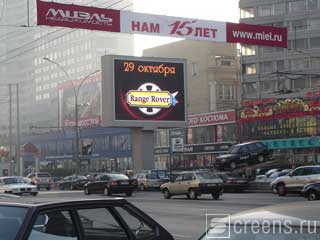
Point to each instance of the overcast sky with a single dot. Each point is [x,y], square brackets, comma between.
[218,10]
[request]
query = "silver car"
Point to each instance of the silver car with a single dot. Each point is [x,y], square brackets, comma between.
[17,185]
[148,181]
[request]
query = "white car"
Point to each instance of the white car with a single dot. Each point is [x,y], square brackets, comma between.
[17,185]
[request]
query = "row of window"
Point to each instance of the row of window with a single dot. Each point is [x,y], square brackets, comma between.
[277,9]
[101,144]
[199,135]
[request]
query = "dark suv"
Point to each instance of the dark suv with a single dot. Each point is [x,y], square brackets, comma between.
[243,154]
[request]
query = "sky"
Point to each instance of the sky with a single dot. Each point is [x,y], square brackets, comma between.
[218,10]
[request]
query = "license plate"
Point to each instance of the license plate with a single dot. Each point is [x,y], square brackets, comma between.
[124,183]
[211,185]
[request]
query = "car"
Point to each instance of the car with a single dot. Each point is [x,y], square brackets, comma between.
[41,180]
[17,186]
[74,182]
[108,184]
[148,181]
[233,182]
[113,218]
[193,184]
[287,221]
[243,154]
[311,191]
[91,176]
[296,179]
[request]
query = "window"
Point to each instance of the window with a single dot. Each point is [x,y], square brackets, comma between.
[280,65]
[312,4]
[314,23]
[298,172]
[10,221]
[296,6]
[315,41]
[250,68]
[248,50]
[267,66]
[252,147]
[299,83]
[53,225]
[265,10]
[247,13]
[139,228]
[99,223]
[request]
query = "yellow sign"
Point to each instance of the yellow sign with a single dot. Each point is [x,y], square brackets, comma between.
[158,99]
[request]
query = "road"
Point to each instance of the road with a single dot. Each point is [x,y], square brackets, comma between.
[184,218]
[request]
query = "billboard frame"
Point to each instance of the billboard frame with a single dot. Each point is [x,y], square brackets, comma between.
[108,95]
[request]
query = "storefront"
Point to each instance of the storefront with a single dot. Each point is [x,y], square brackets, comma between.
[290,127]
[207,136]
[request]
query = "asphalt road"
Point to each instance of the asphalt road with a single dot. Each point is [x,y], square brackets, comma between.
[184,218]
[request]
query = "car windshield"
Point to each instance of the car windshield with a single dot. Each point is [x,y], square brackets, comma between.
[11,219]
[234,149]
[206,175]
[43,175]
[118,176]
[7,181]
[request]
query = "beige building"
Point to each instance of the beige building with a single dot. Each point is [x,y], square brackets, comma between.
[213,73]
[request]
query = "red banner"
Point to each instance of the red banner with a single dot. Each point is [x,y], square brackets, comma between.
[75,16]
[213,118]
[256,35]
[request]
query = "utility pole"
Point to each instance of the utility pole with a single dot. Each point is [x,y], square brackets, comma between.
[18,158]
[10,129]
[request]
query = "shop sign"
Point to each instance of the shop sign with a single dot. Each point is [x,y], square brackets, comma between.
[213,118]
[291,143]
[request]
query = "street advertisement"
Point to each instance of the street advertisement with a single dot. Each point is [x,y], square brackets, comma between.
[76,16]
[110,20]
[213,118]
[149,90]
[193,29]
[89,102]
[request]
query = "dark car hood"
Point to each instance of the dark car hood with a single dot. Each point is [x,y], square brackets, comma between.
[229,155]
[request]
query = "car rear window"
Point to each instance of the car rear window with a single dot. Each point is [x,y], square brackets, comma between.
[11,219]
[43,175]
[207,175]
[118,176]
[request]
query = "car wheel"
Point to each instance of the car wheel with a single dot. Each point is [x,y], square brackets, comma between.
[166,193]
[142,187]
[215,196]
[312,195]
[192,194]
[260,158]
[86,191]
[233,165]
[107,192]
[34,194]
[282,191]
[129,194]
[274,189]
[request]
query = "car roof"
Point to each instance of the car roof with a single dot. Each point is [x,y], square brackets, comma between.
[11,177]
[295,211]
[47,202]
[246,143]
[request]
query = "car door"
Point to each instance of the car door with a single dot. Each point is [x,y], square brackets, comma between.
[296,179]
[244,154]
[174,187]
[54,224]
[253,151]
[314,175]
[186,182]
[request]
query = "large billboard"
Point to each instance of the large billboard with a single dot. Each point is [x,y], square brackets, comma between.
[144,92]
[89,102]
[102,19]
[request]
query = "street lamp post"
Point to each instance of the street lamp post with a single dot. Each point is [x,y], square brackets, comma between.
[76,94]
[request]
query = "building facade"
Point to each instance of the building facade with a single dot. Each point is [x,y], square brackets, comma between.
[280,85]
[213,73]
[279,72]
